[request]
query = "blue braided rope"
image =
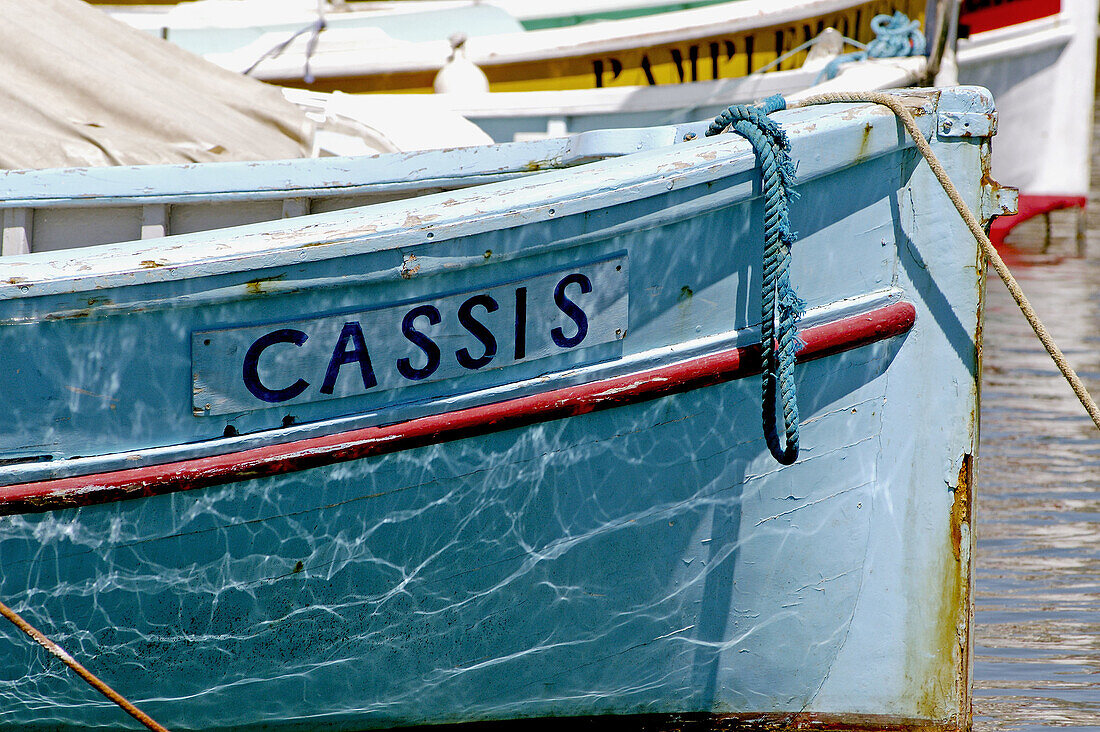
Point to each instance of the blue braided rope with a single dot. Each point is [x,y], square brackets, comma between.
[895,35]
[780,306]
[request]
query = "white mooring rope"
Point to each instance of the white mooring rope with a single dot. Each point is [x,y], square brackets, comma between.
[84,673]
[895,105]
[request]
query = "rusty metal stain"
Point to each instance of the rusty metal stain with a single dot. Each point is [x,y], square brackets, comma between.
[960,508]
[864,141]
[409,266]
[256,286]
[944,661]
[955,621]
[963,546]
[536,165]
[68,315]
[997,200]
[85,392]
[151,263]
[971,124]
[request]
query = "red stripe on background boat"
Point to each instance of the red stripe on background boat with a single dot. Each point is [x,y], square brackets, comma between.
[1037,57]
[984,15]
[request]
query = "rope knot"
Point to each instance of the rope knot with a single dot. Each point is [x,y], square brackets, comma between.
[895,35]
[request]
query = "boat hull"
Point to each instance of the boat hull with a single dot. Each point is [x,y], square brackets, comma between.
[723,41]
[594,535]
[516,116]
[1038,59]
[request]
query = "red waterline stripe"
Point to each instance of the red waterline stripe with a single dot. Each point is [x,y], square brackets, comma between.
[821,340]
[984,15]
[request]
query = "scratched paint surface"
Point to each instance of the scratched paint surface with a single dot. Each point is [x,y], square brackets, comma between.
[515,574]
[645,559]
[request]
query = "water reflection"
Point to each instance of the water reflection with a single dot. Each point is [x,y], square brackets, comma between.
[1037,619]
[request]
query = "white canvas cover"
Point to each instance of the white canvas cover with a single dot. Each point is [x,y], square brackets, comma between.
[78,88]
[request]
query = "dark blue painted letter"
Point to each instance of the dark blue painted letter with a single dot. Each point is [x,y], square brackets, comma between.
[252,358]
[341,355]
[426,344]
[478,330]
[521,323]
[571,309]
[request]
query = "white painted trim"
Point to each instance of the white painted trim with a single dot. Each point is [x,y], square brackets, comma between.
[154,221]
[342,51]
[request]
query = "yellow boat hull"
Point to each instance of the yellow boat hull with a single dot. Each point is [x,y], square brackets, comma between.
[722,56]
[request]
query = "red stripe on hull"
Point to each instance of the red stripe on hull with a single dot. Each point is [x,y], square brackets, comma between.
[821,340]
[984,15]
[1028,207]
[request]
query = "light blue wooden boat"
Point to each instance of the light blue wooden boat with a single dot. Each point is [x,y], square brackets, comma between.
[547,494]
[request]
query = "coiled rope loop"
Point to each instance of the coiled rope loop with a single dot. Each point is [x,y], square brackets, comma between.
[895,35]
[780,306]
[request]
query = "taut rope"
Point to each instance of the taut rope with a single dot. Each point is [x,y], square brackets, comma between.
[988,250]
[84,673]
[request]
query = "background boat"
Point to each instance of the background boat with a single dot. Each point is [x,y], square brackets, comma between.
[1038,58]
[505,116]
[508,116]
[567,524]
[716,42]
[822,65]
[188,18]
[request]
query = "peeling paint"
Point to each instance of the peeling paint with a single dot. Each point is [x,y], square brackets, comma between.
[68,315]
[946,663]
[960,508]
[256,286]
[409,267]
[416,219]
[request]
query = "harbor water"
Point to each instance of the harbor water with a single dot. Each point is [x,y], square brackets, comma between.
[1037,594]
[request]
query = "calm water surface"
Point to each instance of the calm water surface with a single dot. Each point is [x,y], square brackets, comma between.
[1037,603]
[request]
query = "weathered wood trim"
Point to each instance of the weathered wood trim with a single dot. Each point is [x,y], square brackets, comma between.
[295,207]
[154,221]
